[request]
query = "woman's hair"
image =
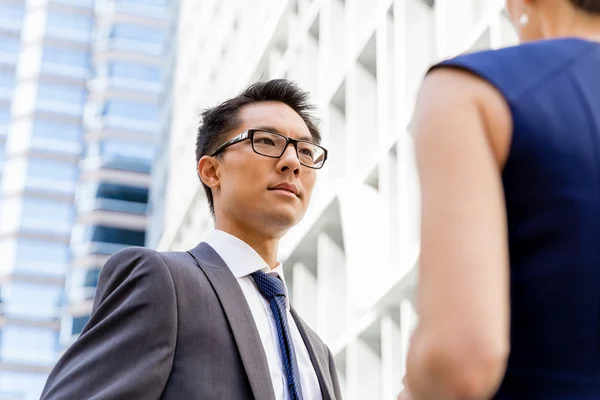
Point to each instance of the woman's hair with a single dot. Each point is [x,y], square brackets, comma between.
[591,6]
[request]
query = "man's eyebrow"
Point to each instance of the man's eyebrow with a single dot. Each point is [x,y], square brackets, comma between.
[268,128]
[272,129]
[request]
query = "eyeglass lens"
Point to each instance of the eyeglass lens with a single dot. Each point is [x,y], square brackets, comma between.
[273,145]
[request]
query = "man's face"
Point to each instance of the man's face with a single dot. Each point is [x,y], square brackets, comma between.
[246,193]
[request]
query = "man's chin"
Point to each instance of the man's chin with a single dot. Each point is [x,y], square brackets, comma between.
[284,217]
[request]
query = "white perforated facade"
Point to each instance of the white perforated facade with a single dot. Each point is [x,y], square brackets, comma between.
[351,262]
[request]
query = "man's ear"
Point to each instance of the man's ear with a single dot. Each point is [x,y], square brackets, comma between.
[208,171]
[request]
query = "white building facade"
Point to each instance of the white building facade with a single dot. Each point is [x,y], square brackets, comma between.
[351,262]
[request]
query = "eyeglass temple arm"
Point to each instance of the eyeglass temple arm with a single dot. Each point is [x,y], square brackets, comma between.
[238,138]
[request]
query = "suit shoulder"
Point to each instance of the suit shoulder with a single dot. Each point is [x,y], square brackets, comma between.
[138,261]
[135,270]
[132,257]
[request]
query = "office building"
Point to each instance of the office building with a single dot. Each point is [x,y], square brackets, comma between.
[82,94]
[44,49]
[363,62]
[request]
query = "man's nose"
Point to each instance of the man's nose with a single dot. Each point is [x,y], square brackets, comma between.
[289,159]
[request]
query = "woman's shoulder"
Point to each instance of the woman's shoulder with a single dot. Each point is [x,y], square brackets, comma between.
[515,70]
[560,49]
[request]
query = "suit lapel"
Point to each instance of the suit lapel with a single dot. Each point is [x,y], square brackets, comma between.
[240,319]
[318,362]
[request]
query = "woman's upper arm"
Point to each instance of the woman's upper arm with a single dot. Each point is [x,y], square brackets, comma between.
[462,129]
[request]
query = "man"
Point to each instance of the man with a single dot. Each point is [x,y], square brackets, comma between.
[215,322]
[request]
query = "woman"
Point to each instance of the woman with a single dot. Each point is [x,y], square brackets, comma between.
[508,151]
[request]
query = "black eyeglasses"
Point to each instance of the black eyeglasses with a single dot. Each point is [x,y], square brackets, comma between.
[271,144]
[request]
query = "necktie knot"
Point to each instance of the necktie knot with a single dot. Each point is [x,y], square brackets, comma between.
[269,286]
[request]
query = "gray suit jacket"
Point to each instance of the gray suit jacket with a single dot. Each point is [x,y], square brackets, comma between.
[173,326]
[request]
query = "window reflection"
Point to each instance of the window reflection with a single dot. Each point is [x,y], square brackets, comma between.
[47,215]
[28,344]
[28,384]
[4,117]
[133,70]
[124,149]
[86,278]
[12,11]
[56,131]
[69,94]
[79,324]
[31,300]
[42,257]
[9,45]
[130,109]
[74,21]
[69,57]
[137,33]
[105,234]
[7,79]
[122,192]
[147,2]
[52,170]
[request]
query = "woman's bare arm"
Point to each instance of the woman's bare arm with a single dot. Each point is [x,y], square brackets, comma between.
[462,128]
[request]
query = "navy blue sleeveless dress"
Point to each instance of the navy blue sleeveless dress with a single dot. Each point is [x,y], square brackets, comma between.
[552,190]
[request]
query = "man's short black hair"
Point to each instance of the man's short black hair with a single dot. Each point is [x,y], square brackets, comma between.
[216,122]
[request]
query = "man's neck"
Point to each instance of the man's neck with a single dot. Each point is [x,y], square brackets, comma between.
[266,247]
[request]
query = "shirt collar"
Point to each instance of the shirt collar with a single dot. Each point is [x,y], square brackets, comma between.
[242,259]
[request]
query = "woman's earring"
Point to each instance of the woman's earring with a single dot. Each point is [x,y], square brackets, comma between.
[524,20]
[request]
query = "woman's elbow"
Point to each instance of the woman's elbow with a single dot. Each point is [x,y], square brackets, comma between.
[481,379]
[473,372]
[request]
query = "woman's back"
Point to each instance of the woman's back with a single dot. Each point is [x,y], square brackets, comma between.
[552,192]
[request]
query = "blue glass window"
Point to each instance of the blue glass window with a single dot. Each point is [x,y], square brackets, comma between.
[85,278]
[128,69]
[57,131]
[107,234]
[69,94]
[137,33]
[4,121]
[31,300]
[42,257]
[47,215]
[61,55]
[130,109]
[147,2]
[122,192]
[79,324]
[91,278]
[74,21]
[7,79]
[52,169]
[12,11]
[4,116]
[47,209]
[25,385]
[125,149]
[28,344]
[9,45]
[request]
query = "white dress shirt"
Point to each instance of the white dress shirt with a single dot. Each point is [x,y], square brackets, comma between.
[243,260]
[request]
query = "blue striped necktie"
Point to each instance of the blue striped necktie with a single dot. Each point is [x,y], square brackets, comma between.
[273,289]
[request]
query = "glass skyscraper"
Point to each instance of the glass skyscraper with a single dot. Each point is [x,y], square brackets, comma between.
[84,95]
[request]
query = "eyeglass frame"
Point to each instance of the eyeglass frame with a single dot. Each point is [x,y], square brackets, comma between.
[249,134]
